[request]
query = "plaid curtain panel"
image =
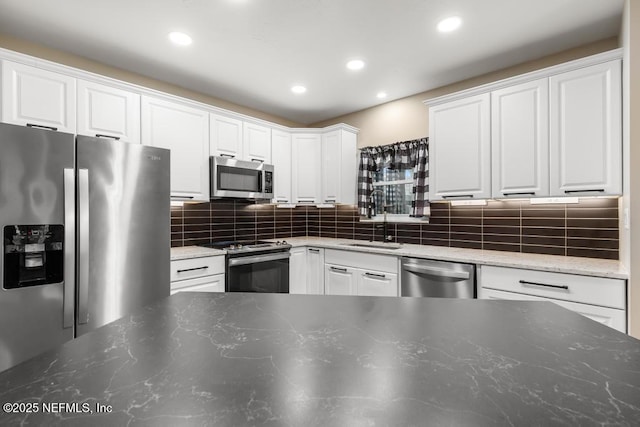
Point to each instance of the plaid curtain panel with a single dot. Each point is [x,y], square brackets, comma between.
[401,155]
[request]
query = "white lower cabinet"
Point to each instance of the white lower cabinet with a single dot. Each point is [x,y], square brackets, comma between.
[298,271]
[203,274]
[315,271]
[340,280]
[600,299]
[213,283]
[376,283]
[357,273]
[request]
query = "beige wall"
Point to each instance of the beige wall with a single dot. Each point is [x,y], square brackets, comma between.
[630,239]
[407,118]
[60,57]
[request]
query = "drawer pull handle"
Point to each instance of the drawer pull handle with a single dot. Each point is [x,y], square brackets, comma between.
[228,155]
[338,269]
[380,276]
[101,135]
[192,269]
[546,285]
[458,196]
[523,193]
[314,250]
[257,160]
[33,125]
[597,190]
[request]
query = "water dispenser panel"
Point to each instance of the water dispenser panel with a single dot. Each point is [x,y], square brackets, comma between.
[33,255]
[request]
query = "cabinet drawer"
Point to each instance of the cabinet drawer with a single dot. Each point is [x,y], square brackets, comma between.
[567,287]
[196,267]
[611,317]
[385,263]
[213,283]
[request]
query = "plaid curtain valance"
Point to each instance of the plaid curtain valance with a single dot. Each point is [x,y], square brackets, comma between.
[401,155]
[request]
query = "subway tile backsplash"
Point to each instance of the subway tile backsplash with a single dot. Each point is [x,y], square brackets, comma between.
[588,229]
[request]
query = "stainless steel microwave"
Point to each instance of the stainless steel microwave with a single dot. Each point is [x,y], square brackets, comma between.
[240,179]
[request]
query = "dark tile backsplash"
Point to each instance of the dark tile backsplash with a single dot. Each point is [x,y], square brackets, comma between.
[588,229]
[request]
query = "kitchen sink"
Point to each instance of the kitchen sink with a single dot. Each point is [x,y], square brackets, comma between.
[379,245]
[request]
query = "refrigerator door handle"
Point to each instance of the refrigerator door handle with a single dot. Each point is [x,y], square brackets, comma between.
[83,246]
[69,247]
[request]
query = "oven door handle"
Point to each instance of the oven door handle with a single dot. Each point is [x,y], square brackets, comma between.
[255,259]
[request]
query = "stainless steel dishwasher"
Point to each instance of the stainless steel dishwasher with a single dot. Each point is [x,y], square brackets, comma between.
[440,279]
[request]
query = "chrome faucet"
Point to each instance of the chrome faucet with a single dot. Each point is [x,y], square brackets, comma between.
[386,236]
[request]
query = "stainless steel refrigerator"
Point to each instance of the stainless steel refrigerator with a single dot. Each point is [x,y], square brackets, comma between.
[85,224]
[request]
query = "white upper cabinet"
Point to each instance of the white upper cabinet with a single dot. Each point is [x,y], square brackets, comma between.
[339,163]
[226,136]
[33,96]
[306,154]
[108,112]
[585,131]
[281,160]
[256,143]
[331,156]
[520,141]
[460,147]
[185,131]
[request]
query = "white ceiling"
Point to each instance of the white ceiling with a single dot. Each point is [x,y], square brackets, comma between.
[251,52]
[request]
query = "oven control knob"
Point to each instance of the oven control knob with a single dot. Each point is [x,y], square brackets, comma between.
[278,243]
[284,242]
[239,246]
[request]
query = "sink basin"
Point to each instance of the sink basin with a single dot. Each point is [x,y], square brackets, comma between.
[378,245]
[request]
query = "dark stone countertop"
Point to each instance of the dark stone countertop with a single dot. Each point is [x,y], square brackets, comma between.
[302,360]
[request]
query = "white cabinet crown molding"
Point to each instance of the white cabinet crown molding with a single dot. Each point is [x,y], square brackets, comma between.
[6,54]
[526,77]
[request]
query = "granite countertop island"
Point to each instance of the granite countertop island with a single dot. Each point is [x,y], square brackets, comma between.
[303,360]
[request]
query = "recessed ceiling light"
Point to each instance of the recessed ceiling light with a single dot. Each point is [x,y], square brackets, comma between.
[381,95]
[355,64]
[298,89]
[179,38]
[449,24]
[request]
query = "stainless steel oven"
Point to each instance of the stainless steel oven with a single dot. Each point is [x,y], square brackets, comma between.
[256,266]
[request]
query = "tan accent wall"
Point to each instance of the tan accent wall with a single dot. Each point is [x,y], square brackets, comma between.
[407,118]
[43,52]
[630,238]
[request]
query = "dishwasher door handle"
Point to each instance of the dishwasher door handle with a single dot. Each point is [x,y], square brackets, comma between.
[437,272]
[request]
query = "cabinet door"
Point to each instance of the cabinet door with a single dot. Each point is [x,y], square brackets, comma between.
[226,136]
[315,271]
[307,151]
[281,160]
[108,112]
[185,131]
[331,166]
[213,283]
[31,96]
[257,143]
[339,280]
[607,316]
[460,146]
[376,283]
[349,168]
[585,131]
[520,140]
[298,271]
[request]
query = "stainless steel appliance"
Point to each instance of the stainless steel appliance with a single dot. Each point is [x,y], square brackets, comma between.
[240,179]
[256,267]
[428,278]
[85,224]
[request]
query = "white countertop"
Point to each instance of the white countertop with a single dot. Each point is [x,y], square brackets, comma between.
[559,264]
[187,252]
